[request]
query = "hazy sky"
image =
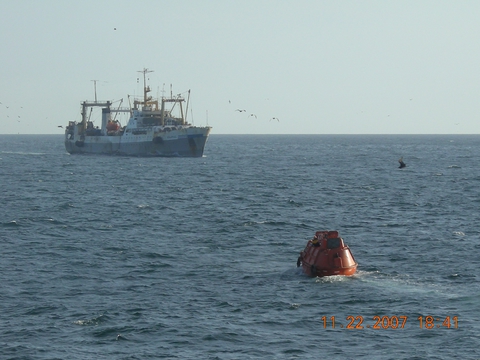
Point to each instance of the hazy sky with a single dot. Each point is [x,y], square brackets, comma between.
[320,67]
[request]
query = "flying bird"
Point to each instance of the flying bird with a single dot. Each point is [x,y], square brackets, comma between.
[241,110]
[274,118]
[60,126]
[253,115]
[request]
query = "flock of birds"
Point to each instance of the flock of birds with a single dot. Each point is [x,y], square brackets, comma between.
[253,115]
[14,113]
[8,107]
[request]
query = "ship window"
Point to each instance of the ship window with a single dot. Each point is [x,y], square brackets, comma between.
[333,243]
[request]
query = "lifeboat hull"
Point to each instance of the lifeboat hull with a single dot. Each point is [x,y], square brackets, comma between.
[327,255]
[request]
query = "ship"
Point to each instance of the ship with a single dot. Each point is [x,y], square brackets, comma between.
[156,127]
[326,254]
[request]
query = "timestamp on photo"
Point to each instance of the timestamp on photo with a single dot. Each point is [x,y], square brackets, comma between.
[378,322]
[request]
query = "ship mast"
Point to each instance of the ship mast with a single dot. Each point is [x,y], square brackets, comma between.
[95,88]
[146,88]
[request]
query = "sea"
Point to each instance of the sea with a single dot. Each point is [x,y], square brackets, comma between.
[106,257]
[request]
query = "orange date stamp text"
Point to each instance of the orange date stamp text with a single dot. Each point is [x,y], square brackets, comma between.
[389,322]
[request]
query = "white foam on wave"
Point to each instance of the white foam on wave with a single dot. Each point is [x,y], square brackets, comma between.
[332,279]
[143,206]
[94,321]
[403,283]
[22,153]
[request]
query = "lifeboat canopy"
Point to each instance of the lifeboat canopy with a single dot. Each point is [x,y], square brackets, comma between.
[326,254]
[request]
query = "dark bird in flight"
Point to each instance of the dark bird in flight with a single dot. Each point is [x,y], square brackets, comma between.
[274,118]
[60,126]
[253,115]
[241,110]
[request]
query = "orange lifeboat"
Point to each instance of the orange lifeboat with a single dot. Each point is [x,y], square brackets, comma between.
[112,126]
[327,255]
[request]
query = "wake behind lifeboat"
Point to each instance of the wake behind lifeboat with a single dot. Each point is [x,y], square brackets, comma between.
[326,255]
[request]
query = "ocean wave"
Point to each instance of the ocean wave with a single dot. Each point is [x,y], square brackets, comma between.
[95,321]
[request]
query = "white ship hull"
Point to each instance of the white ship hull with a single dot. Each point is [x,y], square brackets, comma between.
[185,142]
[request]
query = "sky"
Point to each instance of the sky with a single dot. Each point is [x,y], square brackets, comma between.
[295,67]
